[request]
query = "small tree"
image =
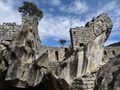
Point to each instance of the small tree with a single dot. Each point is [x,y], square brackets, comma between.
[31,9]
[62,42]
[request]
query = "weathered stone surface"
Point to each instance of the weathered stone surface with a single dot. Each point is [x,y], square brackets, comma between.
[25,63]
[7,30]
[52,83]
[97,26]
[87,45]
[69,68]
[85,82]
[108,76]
[25,66]
[5,43]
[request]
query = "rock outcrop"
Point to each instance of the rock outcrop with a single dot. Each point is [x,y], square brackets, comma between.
[20,58]
[25,63]
[87,46]
[108,76]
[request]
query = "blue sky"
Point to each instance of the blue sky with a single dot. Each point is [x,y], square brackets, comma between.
[61,15]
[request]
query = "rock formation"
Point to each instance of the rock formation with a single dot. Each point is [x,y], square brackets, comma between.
[108,76]
[25,66]
[87,45]
[25,63]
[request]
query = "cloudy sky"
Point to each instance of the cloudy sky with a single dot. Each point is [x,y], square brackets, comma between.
[61,15]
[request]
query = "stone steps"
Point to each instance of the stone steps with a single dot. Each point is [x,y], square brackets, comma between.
[83,83]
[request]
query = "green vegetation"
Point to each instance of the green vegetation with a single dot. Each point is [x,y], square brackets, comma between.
[62,42]
[31,9]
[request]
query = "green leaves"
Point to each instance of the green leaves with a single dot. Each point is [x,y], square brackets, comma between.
[62,42]
[31,9]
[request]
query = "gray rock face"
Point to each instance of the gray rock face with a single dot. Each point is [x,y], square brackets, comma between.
[69,68]
[24,63]
[25,67]
[87,45]
[108,76]
[99,25]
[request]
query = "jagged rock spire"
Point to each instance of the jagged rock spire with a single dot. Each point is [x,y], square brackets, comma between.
[26,66]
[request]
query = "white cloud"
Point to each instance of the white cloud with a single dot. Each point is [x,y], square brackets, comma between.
[56,2]
[77,7]
[116,33]
[116,23]
[117,11]
[7,13]
[111,42]
[110,6]
[112,37]
[53,2]
[58,26]
[113,9]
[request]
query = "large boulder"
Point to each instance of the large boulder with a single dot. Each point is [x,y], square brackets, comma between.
[108,76]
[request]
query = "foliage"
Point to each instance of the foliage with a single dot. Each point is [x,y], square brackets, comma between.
[31,9]
[62,42]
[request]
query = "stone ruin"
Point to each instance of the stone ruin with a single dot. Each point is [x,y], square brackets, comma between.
[7,30]
[25,63]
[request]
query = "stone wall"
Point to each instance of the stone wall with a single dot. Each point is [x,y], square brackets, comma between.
[91,39]
[7,30]
[111,51]
[83,35]
[72,65]
[55,53]
[87,82]
[55,56]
